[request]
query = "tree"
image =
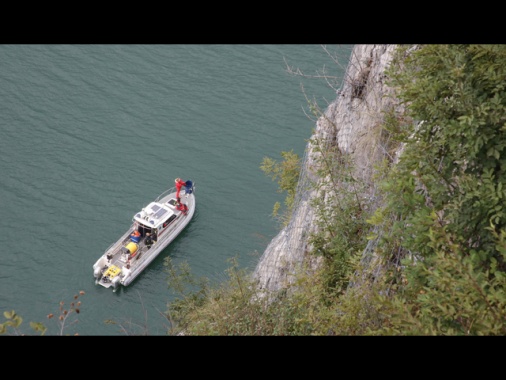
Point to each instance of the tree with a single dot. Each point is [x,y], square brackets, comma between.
[445,198]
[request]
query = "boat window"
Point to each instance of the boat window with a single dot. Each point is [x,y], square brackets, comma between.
[168,221]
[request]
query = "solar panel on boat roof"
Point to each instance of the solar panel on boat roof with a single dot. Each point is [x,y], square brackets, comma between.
[155,208]
[160,212]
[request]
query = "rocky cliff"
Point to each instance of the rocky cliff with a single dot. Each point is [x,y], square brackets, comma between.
[351,122]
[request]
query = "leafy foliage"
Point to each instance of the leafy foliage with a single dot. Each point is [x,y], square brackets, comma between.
[66,318]
[339,240]
[286,173]
[445,198]
[431,260]
[439,238]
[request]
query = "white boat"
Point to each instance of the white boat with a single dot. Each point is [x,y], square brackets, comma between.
[163,220]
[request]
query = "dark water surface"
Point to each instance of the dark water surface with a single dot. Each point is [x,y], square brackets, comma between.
[92,133]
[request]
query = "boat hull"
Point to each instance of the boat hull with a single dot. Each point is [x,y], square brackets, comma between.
[126,259]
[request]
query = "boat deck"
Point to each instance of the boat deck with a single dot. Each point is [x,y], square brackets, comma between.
[126,258]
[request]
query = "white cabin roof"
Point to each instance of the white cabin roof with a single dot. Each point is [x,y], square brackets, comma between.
[153,214]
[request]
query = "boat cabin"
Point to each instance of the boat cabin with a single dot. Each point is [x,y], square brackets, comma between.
[156,217]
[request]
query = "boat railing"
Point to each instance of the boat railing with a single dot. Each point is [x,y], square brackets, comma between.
[172,190]
[168,191]
[120,242]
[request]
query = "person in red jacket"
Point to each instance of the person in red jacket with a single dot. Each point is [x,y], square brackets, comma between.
[181,206]
[179,183]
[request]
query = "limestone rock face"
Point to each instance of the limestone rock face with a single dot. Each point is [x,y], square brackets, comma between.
[351,122]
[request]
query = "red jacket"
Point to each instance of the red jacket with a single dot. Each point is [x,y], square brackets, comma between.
[182,207]
[179,184]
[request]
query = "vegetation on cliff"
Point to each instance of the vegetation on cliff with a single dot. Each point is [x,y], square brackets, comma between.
[428,257]
[438,238]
